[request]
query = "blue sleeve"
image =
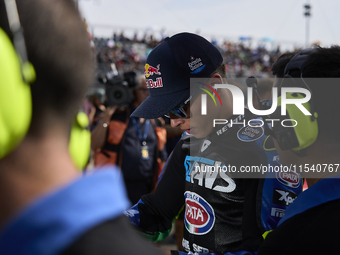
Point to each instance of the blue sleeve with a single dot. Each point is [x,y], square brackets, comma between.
[278,188]
[133,214]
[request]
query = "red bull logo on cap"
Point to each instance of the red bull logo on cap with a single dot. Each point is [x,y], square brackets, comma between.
[150,70]
[150,84]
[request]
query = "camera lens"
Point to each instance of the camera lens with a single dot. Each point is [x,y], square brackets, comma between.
[117,94]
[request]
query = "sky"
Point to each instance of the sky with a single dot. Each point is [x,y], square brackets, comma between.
[281,21]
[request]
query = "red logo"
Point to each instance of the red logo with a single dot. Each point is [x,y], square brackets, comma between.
[154,84]
[196,214]
[290,179]
[199,215]
[150,70]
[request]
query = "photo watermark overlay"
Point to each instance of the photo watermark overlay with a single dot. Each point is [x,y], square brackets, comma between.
[222,114]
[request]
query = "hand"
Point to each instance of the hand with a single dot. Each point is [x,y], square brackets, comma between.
[110,110]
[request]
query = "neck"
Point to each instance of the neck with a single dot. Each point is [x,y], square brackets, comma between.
[35,168]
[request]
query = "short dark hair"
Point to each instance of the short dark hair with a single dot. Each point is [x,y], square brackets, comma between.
[323,62]
[279,65]
[59,49]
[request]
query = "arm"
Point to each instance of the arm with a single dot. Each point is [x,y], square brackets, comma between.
[154,213]
[251,230]
[98,135]
[252,234]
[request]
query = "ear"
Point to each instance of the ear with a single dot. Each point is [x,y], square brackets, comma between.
[215,78]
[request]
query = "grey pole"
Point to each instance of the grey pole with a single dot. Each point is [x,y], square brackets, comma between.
[307,14]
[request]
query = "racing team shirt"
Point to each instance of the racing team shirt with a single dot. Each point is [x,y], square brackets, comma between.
[220,207]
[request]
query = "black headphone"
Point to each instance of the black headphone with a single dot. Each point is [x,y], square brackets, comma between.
[305,132]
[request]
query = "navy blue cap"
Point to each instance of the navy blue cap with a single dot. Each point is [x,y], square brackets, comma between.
[168,70]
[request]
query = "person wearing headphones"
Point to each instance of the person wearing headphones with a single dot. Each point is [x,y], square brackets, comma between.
[312,147]
[46,208]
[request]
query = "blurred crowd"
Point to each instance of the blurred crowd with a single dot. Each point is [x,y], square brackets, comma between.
[130,53]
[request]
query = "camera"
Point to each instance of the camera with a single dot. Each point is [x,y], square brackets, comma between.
[118,90]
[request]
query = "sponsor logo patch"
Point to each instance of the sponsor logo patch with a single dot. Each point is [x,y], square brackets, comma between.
[150,70]
[290,178]
[199,215]
[277,212]
[249,134]
[283,197]
[205,145]
[131,212]
[204,172]
[150,84]
[195,65]
[276,158]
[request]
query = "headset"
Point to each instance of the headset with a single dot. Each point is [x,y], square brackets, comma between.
[16,75]
[305,133]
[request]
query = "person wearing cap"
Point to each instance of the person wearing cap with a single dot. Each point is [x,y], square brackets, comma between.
[221,208]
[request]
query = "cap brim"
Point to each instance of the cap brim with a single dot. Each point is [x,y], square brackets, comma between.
[157,106]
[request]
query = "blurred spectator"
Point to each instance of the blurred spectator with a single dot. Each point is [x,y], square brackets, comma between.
[136,145]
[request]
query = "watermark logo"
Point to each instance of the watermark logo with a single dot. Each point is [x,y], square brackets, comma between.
[204,97]
[287,98]
[238,100]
